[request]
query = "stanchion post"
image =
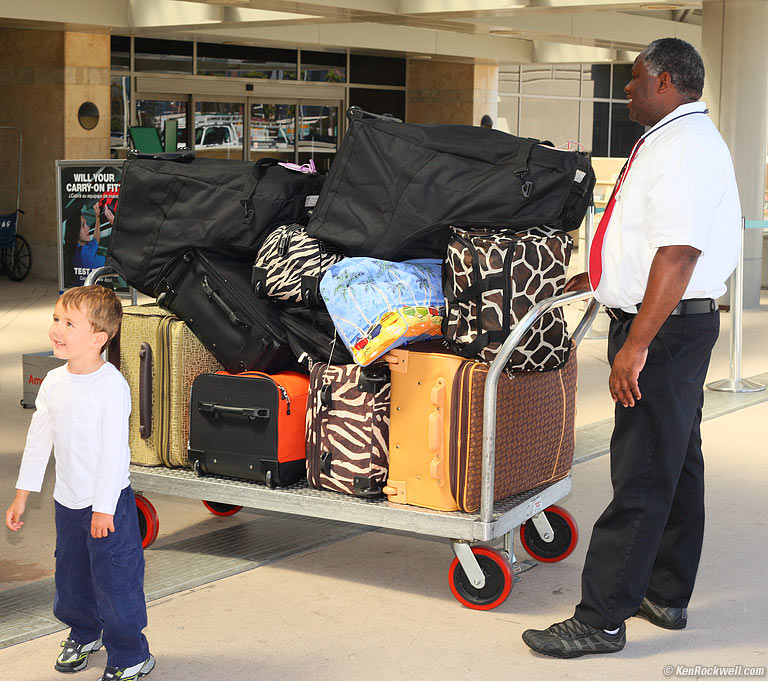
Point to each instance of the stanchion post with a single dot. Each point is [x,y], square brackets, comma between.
[735,383]
[589,234]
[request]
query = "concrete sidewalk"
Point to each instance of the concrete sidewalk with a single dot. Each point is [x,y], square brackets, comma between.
[377,605]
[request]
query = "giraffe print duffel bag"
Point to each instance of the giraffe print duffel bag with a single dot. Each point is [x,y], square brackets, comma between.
[491,279]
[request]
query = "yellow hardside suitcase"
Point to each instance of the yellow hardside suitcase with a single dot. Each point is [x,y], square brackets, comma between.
[436,429]
[160,358]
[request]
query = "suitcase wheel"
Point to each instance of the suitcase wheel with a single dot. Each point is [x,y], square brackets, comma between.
[269,478]
[566,536]
[498,580]
[221,509]
[149,525]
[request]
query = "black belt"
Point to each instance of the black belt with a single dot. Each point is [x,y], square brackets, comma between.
[690,306]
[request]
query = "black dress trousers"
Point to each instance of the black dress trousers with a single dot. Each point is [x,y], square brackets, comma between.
[648,540]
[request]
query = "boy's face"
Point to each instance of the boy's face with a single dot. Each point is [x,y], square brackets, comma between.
[72,336]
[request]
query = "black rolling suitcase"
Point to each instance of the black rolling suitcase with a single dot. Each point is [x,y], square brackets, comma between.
[249,426]
[213,295]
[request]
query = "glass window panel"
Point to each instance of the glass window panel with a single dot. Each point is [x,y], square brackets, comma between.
[369,70]
[621,75]
[601,81]
[600,113]
[120,48]
[509,79]
[507,115]
[119,111]
[155,113]
[273,131]
[550,79]
[324,67]
[318,134]
[546,119]
[379,101]
[162,56]
[240,61]
[624,133]
[219,129]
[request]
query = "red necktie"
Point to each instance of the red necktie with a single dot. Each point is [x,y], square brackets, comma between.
[596,249]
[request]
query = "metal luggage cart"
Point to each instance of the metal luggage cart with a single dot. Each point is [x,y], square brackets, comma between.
[15,253]
[480,577]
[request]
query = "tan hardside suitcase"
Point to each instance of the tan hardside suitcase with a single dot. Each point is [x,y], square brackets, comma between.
[436,430]
[160,358]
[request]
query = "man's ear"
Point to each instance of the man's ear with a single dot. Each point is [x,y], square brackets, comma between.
[665,82]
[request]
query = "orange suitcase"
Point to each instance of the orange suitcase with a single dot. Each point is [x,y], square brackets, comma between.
[436,430]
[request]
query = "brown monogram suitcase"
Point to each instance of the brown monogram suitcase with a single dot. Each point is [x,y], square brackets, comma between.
[436,430]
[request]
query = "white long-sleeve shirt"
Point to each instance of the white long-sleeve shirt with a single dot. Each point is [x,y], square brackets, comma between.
[85,418]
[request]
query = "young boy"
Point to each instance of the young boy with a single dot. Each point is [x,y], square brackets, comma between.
[82,410]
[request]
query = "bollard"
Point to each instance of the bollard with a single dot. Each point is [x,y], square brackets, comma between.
[735,383]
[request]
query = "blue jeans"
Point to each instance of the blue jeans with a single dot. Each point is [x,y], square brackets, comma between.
[100,582]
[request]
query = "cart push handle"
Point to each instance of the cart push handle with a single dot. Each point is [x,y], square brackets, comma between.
[497,367]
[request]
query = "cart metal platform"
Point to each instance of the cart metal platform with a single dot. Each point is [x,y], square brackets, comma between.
[300,499]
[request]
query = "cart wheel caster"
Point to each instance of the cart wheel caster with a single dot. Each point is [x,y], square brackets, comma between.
[149,525]
[221,509]
[197,468]
[498,580]
[566,536]
[269,479]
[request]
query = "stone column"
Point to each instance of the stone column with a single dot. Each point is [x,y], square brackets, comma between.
[736,91]
[44,78]
[449,92]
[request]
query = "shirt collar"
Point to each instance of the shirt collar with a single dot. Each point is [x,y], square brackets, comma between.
[681,110]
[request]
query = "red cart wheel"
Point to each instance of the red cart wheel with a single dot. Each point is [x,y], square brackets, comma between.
[566,536]
[498,580]
[149,525]
[221,509]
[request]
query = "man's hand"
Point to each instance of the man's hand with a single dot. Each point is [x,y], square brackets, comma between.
[101,525]
[13,515]
[623,381]
[578,283]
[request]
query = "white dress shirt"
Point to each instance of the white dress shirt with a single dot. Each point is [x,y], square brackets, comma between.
[85,418]
[680,191]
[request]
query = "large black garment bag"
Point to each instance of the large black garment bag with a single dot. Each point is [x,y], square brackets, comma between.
[170,205]
[395,188]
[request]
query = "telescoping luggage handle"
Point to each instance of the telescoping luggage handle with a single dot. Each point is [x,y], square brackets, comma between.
[497,368]
[251,413]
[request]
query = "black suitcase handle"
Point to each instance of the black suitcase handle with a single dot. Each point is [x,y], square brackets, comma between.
[216,298]
[252,413]
[355,113]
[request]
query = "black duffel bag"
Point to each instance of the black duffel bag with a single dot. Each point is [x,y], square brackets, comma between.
[167,207]
[395,188]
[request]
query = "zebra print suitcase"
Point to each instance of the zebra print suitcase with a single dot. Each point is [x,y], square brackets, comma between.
[290,264]
[347,428]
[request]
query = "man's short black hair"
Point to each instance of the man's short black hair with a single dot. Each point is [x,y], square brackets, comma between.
[681,61]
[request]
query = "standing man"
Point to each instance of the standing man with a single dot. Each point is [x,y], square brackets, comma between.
[667,243]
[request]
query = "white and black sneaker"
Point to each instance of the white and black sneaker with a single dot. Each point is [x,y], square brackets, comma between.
[573,638]
[128,673]
[74,657]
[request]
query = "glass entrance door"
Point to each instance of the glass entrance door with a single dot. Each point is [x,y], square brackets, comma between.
[272,130]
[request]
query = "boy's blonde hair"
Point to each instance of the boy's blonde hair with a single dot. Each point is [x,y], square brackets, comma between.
[100,306]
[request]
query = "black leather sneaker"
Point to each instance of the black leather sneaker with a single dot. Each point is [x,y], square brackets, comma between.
[667,618]
[574,639]
[74,657]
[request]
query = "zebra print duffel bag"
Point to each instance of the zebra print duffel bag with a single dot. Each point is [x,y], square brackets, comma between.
[290,264]
[491,279]
[347,428]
